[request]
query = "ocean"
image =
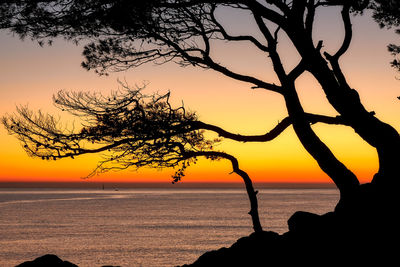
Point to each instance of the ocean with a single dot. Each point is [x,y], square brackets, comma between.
[140,227]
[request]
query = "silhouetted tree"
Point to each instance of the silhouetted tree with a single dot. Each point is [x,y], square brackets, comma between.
[124,34]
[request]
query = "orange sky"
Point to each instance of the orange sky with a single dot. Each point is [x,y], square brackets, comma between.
[30,74]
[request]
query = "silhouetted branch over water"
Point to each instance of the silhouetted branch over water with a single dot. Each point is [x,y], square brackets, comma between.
[131,129]
[134,129]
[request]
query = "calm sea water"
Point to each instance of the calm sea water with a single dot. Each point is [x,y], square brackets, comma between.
[139,227]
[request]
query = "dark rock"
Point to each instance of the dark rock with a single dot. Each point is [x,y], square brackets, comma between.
[48,260]
[258,249]
[361,231]
[302,221]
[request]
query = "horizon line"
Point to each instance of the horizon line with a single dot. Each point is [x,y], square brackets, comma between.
[119,184]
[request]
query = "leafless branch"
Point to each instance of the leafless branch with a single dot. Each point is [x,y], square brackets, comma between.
[334,60]
[273,133]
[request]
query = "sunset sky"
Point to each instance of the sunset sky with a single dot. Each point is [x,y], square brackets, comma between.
[30,75]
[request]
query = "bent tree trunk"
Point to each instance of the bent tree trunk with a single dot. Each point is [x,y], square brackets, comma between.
[347,103]
[344,179]
[251,193]
[378,134]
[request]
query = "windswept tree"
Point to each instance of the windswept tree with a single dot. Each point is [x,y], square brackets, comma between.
[130,129]
[124,34]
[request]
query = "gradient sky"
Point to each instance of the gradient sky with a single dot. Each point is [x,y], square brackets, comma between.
[30,75]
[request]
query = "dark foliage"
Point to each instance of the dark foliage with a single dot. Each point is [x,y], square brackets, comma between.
[129,33]
[387,14]
[134,129]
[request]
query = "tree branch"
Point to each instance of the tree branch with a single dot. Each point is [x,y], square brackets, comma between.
[236,38]
[334,60]
[272,43]
[348,32]
[206,61]
[310,17]
[245,78]
[272,134]
[252,194]
[268,13]
[297,71]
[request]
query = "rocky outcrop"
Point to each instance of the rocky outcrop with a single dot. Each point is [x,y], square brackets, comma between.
[48,260]
[51,260]
[363,231]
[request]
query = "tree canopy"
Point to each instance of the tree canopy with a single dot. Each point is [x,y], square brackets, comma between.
[180,29]
[387,14]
